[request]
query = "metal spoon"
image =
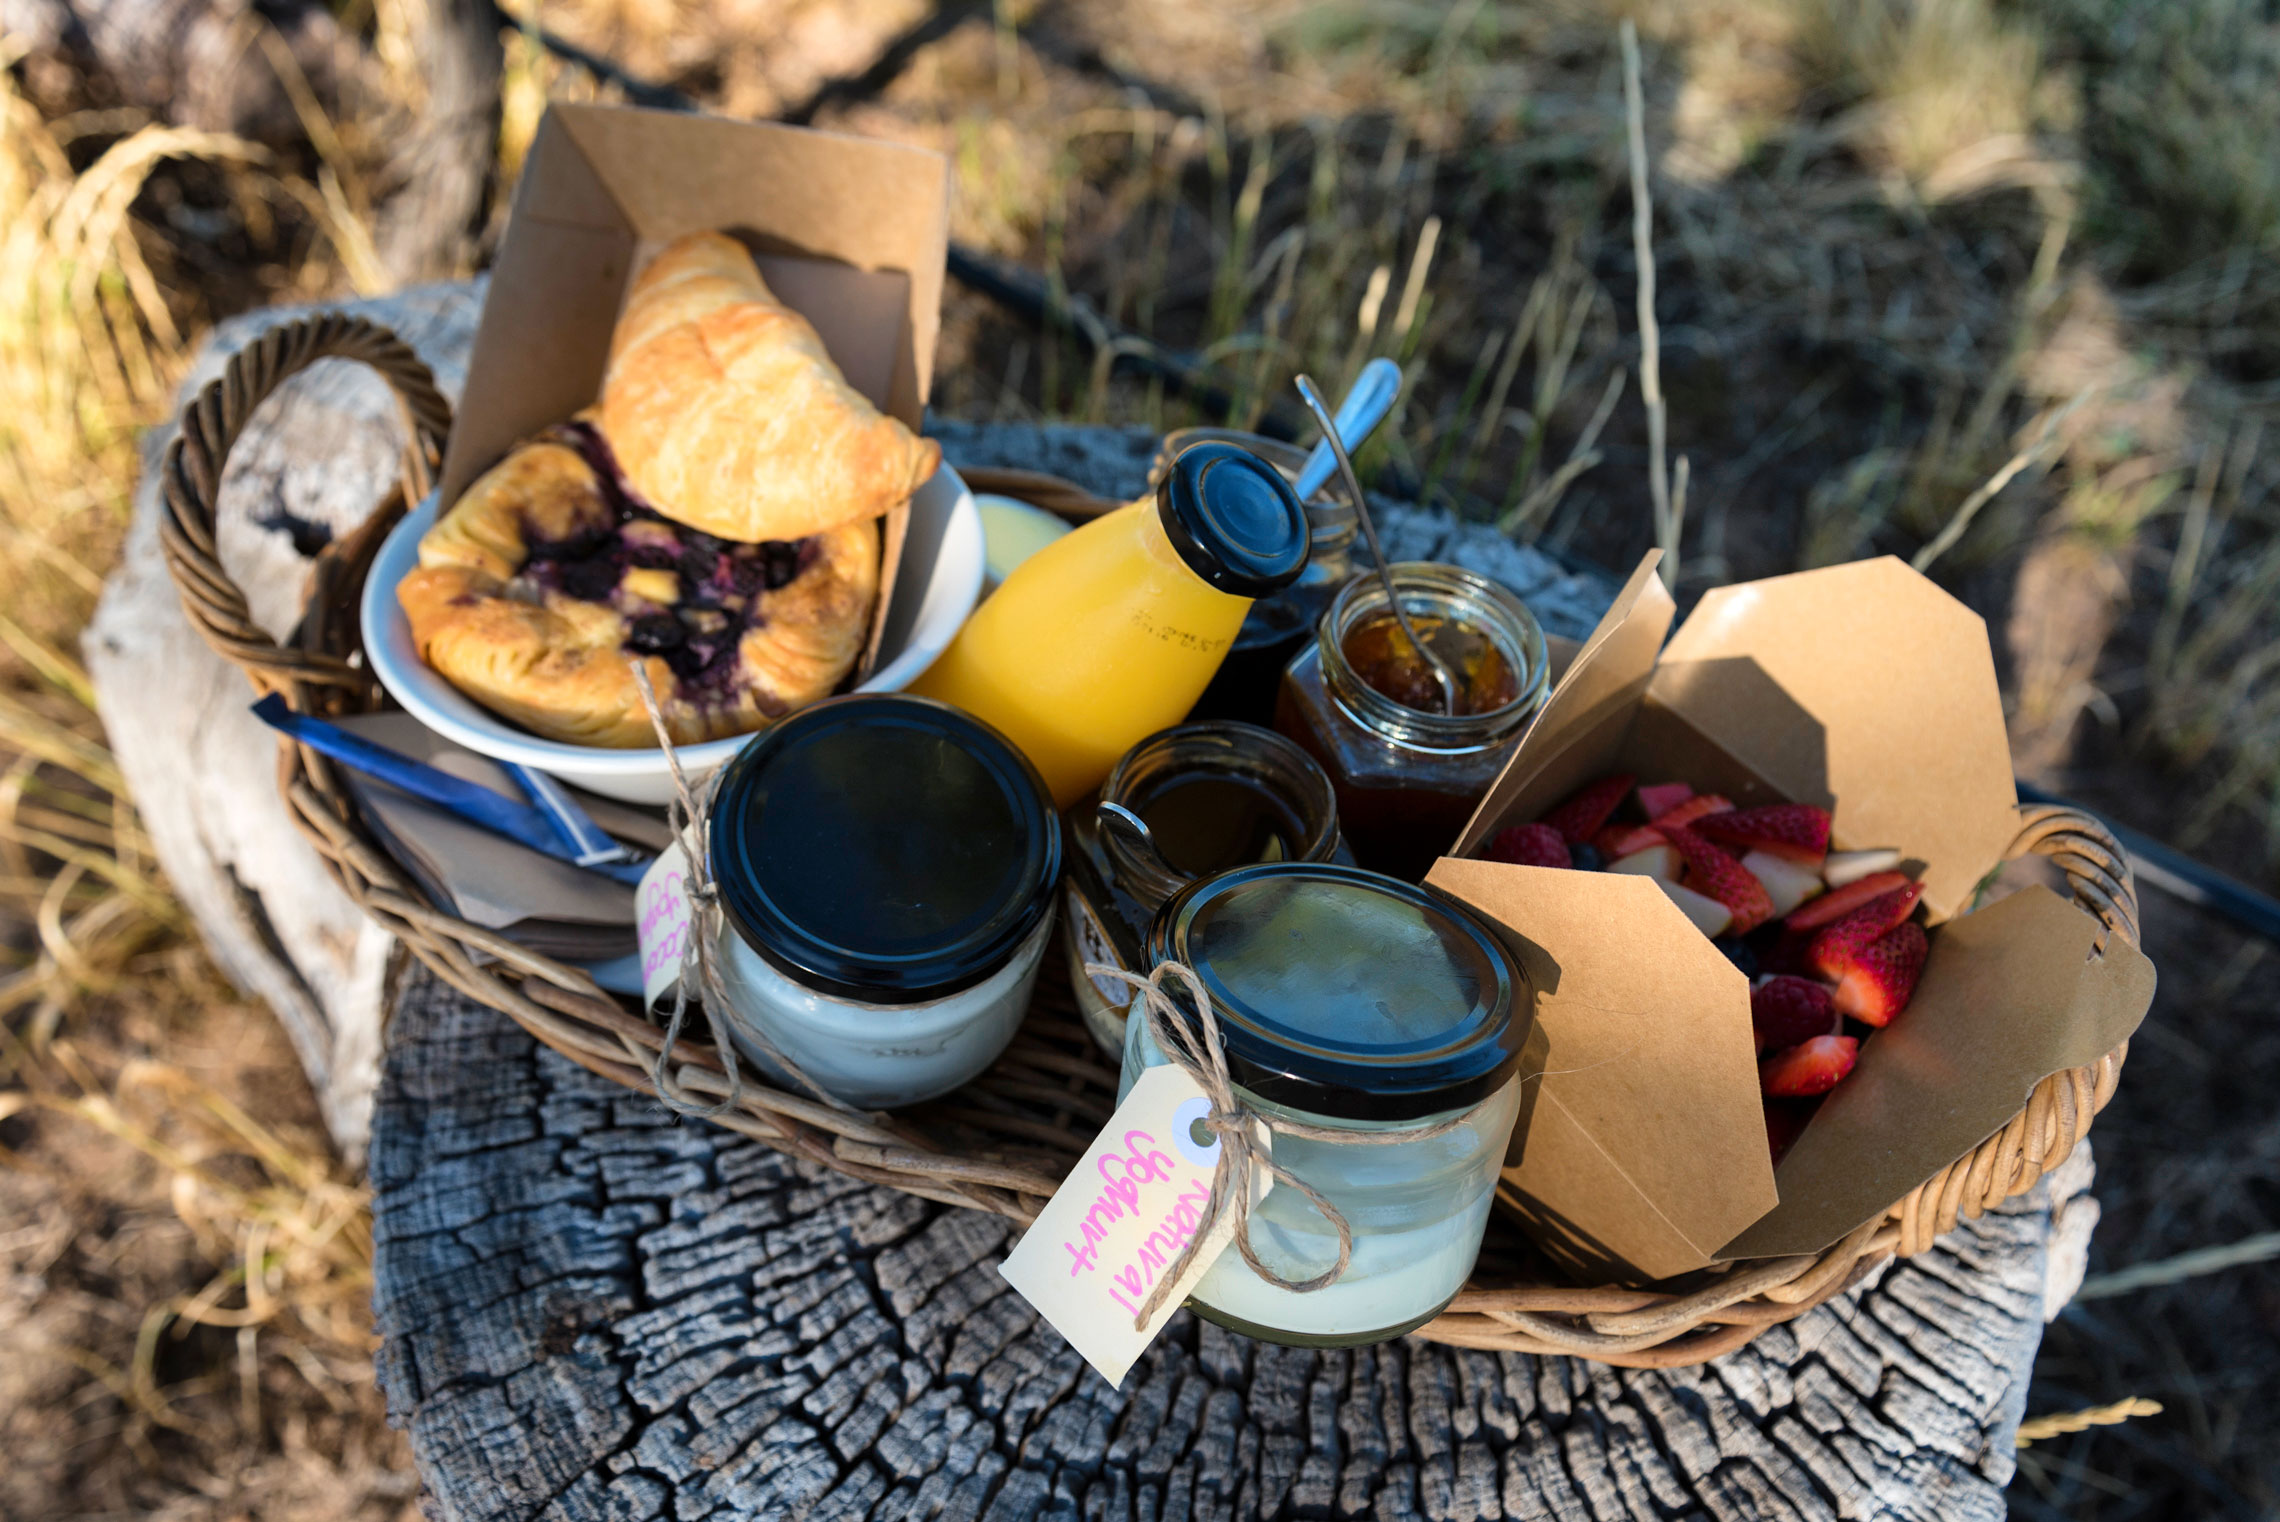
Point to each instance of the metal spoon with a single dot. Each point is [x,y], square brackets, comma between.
[1135,830]
[1443,673]
[1371,398]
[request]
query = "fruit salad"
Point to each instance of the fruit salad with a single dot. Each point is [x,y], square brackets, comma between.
[1829,939]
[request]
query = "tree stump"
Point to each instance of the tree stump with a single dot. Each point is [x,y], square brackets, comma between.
[592,1310]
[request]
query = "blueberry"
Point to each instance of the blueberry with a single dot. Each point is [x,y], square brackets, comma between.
[652,633]
[1586,857]
[783,563]
[577,546]
[1739,952]
[590,580]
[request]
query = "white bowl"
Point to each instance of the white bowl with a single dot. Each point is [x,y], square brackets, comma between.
[941,580]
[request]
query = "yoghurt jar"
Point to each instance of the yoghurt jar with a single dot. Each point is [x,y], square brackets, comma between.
[1360,1004]
[886,867]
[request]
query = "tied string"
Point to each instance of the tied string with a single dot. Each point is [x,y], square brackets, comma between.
[700,967]
[1195,1047]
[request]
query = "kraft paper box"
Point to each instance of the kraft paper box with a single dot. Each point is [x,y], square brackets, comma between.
[850,232]
[1641,1151]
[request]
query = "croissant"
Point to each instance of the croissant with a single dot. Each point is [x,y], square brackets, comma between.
[726,412]
[542,584]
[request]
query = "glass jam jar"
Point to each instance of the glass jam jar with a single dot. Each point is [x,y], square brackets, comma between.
[886,867]
[1362,703]
[1213,796]
[1355,1003]
[1276,625]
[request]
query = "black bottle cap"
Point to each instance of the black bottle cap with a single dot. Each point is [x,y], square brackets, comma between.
[1233,519]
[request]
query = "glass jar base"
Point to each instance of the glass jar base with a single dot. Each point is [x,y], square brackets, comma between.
[1290,1339]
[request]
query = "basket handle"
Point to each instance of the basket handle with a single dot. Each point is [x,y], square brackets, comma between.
[2096,866]
[191,479]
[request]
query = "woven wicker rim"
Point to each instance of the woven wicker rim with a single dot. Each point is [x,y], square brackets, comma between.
[1002,1143]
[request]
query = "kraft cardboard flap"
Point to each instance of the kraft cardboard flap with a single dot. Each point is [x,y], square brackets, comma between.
[1897,676]
[2012,993]
[1586,715]
[1647,1127]
[851,232]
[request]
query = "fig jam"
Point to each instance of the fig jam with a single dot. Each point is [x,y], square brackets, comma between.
[1364,704]
[1383,658]
[1214,796]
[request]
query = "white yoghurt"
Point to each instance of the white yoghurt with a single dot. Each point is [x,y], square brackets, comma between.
[1416,1209]
[876,1056]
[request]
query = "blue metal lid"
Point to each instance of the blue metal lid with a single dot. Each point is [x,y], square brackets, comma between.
[1346,993]
[884,847]
[1234,520]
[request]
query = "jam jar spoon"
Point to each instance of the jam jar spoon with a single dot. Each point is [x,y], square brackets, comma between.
[1366,405]
[1442,673]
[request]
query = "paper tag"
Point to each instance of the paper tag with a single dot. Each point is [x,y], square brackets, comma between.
[666,922]
[1120,1220]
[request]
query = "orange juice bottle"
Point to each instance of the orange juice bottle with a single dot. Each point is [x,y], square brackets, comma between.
[1112,632]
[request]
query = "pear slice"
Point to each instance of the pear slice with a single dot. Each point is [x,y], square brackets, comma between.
[1788,883]
[1841,867]
[1710,917]
[1658,862]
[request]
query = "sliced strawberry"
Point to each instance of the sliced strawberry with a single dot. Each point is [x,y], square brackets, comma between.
[1530,845]
[1713,872]
[1626,840]
[1786,1010]
[1659,798]
[1785,1121]
[1881,976]
[1797,831]
[1834,945]
[1810,1067]
[1589,808]
[1620,840]
[1692,809]
[1839,902]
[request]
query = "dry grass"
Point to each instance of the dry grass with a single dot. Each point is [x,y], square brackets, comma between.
[187,1328]
[1987,285]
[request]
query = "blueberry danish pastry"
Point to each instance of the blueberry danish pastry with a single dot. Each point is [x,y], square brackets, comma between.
[548,577]
[714,515]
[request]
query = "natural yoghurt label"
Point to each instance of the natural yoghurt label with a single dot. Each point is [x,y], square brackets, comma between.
[665,921]
[1118,1223]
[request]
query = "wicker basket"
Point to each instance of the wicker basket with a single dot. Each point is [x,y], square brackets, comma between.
[1002,1143]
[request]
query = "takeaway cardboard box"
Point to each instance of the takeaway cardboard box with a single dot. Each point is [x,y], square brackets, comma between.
[851,232]
[1867,690]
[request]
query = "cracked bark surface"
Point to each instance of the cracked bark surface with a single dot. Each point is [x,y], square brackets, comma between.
[592,1310]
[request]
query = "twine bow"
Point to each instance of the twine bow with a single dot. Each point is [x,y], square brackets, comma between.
[686,818]
[1197,1050]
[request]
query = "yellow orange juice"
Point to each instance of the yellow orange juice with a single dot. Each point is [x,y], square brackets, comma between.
[1098,640]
